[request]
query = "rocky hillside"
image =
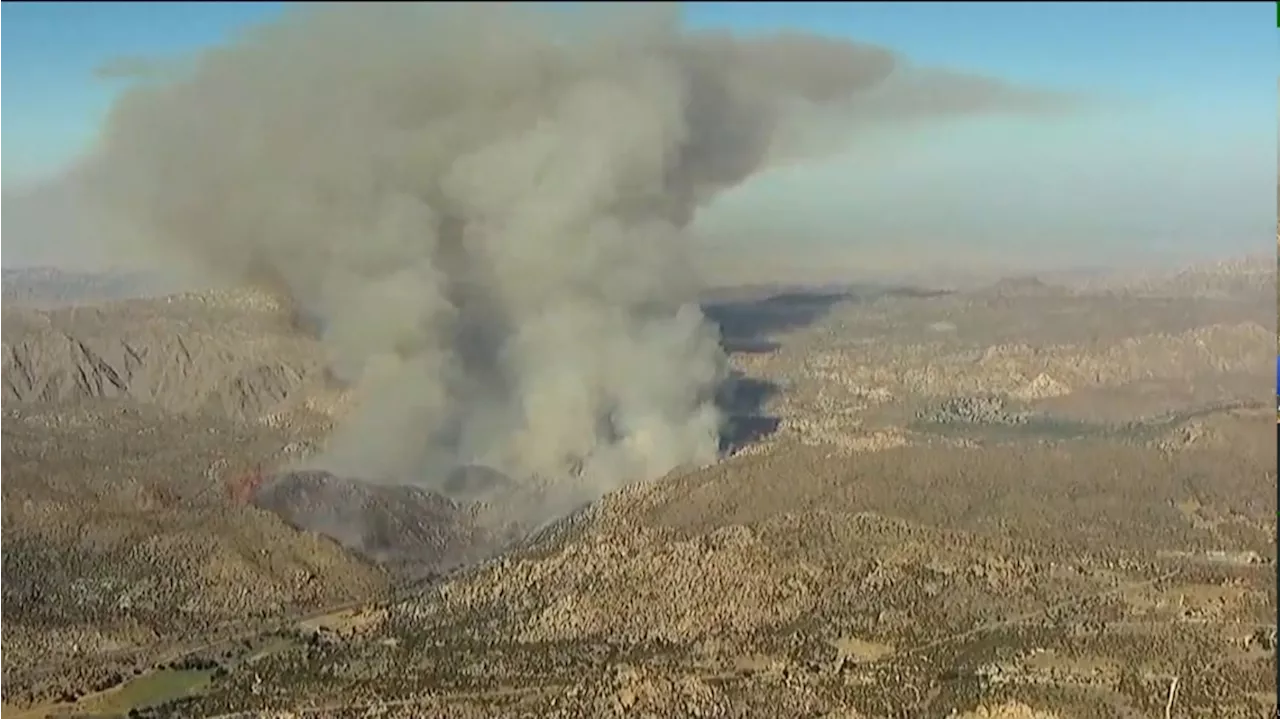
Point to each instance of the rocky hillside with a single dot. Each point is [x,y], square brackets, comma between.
[185,354]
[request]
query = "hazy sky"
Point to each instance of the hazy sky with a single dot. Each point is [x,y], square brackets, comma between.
[1173,153]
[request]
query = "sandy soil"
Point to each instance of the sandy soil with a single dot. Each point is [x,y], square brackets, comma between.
[1021,500]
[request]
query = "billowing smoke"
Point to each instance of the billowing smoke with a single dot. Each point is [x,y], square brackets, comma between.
[482,208]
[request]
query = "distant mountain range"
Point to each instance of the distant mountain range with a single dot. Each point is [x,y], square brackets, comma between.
[49,286]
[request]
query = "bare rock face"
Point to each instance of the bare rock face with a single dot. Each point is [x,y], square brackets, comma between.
[410,528]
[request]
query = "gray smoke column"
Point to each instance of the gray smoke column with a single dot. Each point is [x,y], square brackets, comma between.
[483,208]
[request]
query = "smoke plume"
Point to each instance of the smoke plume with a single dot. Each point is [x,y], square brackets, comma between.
[482,207]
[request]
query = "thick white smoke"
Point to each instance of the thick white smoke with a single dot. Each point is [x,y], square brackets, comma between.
[482,208]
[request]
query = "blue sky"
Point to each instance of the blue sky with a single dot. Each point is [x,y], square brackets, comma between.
[1182,139]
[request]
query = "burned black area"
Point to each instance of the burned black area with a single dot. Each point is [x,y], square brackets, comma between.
[749,318]
[742,400]
[748,322]
[410,529]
